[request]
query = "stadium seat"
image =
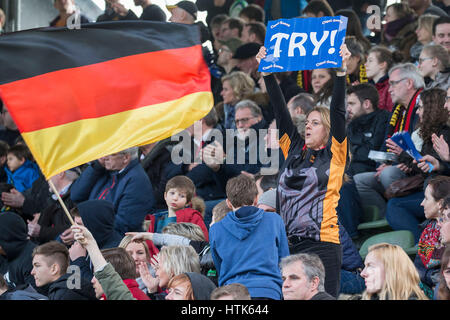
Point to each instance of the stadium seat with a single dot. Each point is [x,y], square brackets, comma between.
[403,238]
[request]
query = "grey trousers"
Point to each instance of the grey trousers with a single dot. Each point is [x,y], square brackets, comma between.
[371,189]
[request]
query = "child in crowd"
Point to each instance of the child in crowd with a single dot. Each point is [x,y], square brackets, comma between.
[180,199]
[248,243]
[21,171]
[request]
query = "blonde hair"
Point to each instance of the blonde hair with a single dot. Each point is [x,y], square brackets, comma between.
[179,259]
[127,240]
[241,84]
[426,21]
[186,229]
[401,277]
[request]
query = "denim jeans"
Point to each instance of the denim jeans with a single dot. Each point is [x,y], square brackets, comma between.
[349,208]
[406,213]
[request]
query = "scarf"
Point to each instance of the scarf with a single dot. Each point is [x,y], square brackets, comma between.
[361,78]
[401,116]
[304,79]
[430,248]
[392,28]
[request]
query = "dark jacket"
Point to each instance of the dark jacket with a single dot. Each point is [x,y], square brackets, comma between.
[53,219]
[111,15]
[58,290]
[98,216]
[130,191]
[83,19]
[27,293]
[322,296]
[366,133]
[14,241]
[37,198]
[156,164]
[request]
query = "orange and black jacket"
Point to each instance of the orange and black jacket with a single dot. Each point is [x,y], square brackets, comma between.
[310,180]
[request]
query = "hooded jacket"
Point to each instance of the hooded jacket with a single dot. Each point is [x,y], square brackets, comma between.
[247,246]
[59,290]
[98,216]
[24,176]
[202,286]
[14,241]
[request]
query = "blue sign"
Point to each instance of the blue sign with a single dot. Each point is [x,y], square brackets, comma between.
[303,44]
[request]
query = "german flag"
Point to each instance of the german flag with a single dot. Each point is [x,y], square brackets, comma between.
[78,95]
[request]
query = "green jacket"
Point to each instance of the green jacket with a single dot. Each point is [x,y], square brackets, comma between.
[112,284]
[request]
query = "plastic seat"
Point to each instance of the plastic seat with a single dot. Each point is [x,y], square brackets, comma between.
[372,219]
[402,238]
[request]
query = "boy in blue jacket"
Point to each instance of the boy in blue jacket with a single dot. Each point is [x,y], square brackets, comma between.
[21,171]
[248,244]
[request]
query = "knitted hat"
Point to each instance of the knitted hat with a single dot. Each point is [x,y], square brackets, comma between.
[269,198]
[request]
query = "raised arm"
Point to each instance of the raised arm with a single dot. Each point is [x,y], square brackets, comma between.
[286,127]
[337,107]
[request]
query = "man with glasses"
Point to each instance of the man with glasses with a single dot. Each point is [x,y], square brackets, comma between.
[225,54]
[405,85]
[120,179]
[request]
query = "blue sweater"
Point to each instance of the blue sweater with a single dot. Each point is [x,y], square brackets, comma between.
[247,246]
[24,176]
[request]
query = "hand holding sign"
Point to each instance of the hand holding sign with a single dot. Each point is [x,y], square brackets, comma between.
[303,44]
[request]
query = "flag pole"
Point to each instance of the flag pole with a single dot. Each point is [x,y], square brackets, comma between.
[63,205]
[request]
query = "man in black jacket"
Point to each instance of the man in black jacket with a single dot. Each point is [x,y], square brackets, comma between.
[366,126]
[15,250]
[50,265]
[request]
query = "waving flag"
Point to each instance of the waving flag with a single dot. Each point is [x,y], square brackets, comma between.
[78,95]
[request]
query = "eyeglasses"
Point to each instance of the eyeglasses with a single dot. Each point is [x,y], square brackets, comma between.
[423,59]
[395,82]
[243,120]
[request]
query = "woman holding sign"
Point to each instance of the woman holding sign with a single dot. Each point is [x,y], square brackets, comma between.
[312,174]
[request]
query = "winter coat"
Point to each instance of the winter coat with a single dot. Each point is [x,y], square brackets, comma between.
[112,284]
[59,290]
[129,190]
[247,247]
[24,176]
[98,216]
[183,215]
[155,164]
[53,219]
[14,241]
[366,133]
[133,286]
[385,100]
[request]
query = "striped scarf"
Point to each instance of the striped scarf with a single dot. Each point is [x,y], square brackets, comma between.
[401,118]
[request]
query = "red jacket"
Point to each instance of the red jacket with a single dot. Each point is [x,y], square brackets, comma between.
[385,102]
[134,289]
[183,215]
